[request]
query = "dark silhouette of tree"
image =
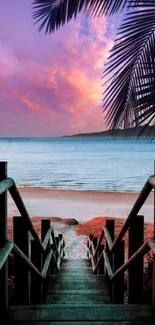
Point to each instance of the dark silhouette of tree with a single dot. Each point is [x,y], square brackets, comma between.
[129,99]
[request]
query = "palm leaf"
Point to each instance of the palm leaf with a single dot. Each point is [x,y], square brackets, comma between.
[130,98]
[55,13]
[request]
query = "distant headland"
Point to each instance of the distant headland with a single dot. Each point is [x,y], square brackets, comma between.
[142,131]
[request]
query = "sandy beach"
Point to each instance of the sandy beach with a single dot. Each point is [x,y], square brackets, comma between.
[81,205]
[89,208]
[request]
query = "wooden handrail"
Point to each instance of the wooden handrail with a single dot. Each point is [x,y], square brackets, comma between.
[97,263]
[47,238]
[22,209]
[47,263]
[99,242]
[134,211]
[31,266]
[4,252]
[6,184]
[145,248]
[107,264]
[108,237]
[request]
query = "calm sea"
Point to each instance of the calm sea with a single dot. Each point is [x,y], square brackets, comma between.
[79,163]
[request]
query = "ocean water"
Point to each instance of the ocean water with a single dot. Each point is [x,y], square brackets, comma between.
[88,163]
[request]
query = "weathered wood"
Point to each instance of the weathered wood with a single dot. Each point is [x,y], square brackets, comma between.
[153,282]
[22,275]
[22,209]
[147,188]
[45,226]
[47,238]
[27,262]
[5,184]
[4,252]
[110,226]
[99,242]
[47,263]
[144,249]
[151,243]
[118,285]
[83,313]
[108,237]
[36,283]
[3,238]
[104,322]
[54,244]
[101,263]
[94,245]
[107,264]
[136,271]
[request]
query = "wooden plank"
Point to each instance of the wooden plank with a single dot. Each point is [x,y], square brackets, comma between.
[23,211]
[77,298]
[5,184]
[36,283]
[4,252]
[108,237]
[77,285]
[118,285]
[136,271]
[110,225]
[3,238]
[22,275]
[107,264]
[147,188]
[28,263]
[83,323]
[45,226]
[83,313]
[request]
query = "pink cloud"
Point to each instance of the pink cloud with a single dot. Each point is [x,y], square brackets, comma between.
[51,85]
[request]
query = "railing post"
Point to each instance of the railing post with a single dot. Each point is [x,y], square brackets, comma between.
[110,224]
[22,274]
[101,263]
[153,282]
[135,272]
[94,240]
[89,246]
[36,283]
[3,237]
[118,285]
[45,225]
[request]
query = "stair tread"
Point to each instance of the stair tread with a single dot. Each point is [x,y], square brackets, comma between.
[96,322]
[84,313]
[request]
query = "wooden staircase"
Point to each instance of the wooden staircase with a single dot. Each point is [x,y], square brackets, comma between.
[51,290]
[77,297]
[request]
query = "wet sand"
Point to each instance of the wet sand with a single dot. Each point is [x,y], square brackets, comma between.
[81,205]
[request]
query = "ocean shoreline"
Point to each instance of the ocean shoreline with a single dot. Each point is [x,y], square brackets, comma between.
[80,205]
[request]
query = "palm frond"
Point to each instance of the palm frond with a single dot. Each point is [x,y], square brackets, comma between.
[52,14]
[130,98]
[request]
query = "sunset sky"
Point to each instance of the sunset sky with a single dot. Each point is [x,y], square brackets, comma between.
[51,85]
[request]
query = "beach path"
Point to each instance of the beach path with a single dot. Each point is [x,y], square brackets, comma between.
[77,297]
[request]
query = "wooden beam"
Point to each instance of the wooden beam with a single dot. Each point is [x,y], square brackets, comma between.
[136,271]
[22,276]
[3,238]
[36,283]
[118,285]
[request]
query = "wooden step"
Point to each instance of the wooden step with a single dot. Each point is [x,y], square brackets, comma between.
[76,297]
[96,322]
[132,322]
[89,313]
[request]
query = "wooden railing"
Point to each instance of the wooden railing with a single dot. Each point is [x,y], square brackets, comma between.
[33,260]
[109,259]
